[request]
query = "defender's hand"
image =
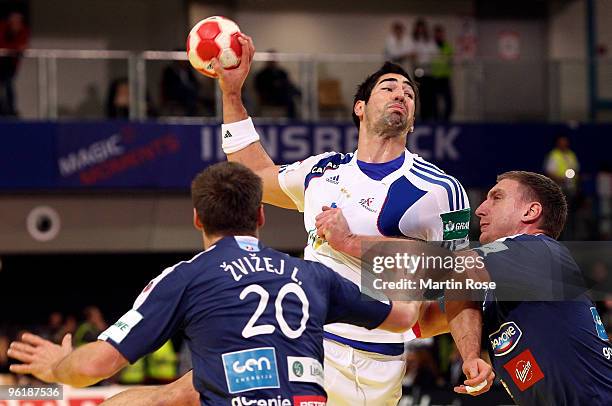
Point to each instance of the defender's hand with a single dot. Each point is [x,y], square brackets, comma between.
[232,80]
[333,227]
[477,371]
[39,356]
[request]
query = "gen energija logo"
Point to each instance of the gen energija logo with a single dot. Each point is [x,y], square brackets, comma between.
[251,369]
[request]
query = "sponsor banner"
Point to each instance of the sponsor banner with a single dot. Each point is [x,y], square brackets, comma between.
[116,155]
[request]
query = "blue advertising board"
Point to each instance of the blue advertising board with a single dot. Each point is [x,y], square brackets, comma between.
[127,155]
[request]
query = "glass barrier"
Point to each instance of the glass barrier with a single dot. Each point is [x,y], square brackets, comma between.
[89,84]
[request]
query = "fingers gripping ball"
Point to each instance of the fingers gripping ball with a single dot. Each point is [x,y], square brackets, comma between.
[214,37]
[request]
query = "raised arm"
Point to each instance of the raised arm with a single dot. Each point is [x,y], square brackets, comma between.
[240,140]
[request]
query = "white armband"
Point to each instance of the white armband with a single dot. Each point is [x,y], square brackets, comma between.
[238,135]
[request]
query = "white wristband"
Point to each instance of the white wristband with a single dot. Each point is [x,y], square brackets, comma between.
[238,135]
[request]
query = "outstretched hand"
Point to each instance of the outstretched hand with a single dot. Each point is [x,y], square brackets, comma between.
[38,356]
[477,372]
[232,80]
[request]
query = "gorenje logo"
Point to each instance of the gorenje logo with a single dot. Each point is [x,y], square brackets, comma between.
[250,369]
[505,338]
[278,401]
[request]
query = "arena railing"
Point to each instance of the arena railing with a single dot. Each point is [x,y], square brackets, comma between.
[53,84]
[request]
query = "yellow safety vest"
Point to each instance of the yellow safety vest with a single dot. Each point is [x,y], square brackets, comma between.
[162,364]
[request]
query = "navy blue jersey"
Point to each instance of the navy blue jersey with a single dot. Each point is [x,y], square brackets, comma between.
[550,348]
[253,318]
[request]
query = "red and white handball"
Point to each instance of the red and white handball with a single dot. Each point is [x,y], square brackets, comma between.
[214,37]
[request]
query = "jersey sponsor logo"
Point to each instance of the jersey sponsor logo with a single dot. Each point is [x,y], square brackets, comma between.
[524,370]
[317,169]
[367,204]
[455,224]
[277,401]
[333,179]
[247,243]
[118,331]
[250,369]
[305,369]
[310,400]
[505,338]
[599,327]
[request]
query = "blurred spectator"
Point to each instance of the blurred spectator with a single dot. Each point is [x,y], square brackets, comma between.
[274,88]
[14,38]
[425,50]
[69,327]
[162,365]
[55,324]
[180,90]
[562,166]
[133,374]
[398,45]
[441,70]
[90,329]
[118,99]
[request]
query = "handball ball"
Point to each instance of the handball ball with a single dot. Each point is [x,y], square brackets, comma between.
[214,37]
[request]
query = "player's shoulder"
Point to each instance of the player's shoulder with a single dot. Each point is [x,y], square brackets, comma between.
[539,245]
[429,171]
[445,187]
[188,268]
[331,160]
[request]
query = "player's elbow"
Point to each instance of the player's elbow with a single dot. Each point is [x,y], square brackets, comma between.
[403,317]
[90,373]
[100,365]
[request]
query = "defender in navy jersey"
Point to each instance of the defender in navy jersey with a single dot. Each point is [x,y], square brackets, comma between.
[253,317]
[547,343]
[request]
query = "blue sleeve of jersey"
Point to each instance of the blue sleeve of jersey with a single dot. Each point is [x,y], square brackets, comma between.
[157,314]
[348,305]
[531,268]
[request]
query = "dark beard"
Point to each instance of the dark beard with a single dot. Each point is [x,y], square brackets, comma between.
[392,125]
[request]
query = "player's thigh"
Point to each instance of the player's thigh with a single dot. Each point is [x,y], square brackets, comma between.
[353,377]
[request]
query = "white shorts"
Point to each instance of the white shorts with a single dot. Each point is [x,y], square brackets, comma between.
[356,378]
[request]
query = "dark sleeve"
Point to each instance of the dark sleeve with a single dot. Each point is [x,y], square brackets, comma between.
[531,269]
[157,314]
[348,305]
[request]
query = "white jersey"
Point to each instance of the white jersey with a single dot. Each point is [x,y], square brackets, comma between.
[418,201]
